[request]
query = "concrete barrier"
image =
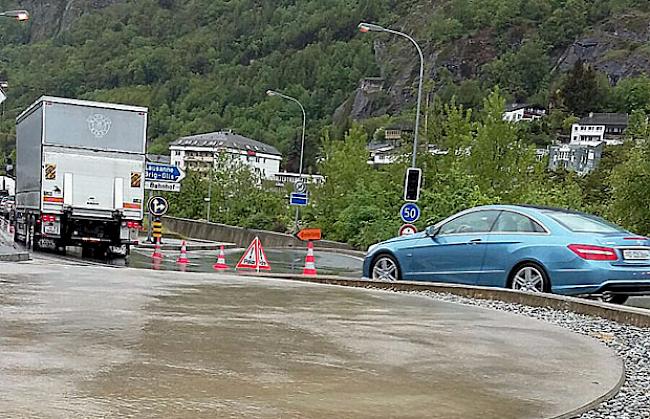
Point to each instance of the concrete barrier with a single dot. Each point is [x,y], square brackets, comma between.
[242,237]
[621,314]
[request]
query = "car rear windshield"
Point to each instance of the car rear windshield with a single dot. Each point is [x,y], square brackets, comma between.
[583,223]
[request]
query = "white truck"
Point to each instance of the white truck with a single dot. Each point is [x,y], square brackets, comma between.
[80,174]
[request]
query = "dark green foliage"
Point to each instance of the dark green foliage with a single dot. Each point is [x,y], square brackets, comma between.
[204,65]
[582,92]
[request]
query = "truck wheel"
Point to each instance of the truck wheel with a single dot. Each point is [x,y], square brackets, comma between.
[60,248]
[86,251]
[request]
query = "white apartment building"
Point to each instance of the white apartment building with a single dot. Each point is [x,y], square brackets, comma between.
[598,128]
[204,151]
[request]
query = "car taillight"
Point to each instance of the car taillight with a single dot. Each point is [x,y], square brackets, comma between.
[589,252]
[48,218]
[133,224]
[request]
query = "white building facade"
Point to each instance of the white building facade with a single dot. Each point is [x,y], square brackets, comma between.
[598,128]
[517,113]
[205,151]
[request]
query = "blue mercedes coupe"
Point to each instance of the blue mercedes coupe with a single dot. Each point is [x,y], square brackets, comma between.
[525,248]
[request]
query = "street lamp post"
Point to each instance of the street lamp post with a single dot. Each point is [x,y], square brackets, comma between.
[371,27]
[302,143]
[20,15]
[210,179]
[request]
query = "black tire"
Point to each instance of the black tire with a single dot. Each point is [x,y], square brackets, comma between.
[545,281]
[615,298]
[386,259]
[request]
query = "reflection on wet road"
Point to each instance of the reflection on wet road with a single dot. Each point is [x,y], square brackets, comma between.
[95,342]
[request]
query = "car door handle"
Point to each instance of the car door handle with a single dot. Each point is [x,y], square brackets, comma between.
[476,241]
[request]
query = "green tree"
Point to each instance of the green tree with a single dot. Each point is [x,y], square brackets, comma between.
[632,94]
[499,159]
[583,90]
[629,183]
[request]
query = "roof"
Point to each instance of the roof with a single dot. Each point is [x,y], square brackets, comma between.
[605,119]
[78,102]
[400,125]
[588,145]
[157,158]
[379,146]
[516,106]
[225,139]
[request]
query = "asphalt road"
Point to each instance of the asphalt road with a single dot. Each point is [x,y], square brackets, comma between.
[643,302]
[93,341]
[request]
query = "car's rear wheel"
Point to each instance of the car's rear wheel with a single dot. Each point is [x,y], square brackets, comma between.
[614,298]
[385,268]
[529,277]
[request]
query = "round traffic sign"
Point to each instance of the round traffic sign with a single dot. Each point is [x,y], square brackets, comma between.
[158,206]
[410,212]
[300,186]
[407,230]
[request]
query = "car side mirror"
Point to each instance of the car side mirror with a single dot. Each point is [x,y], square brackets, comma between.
[432,231]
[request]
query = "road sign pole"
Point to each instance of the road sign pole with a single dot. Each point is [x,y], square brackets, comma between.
[149,231]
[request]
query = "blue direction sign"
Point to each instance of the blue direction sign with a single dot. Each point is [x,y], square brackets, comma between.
[298,199]
[410,213]
[158,206]
[164,173]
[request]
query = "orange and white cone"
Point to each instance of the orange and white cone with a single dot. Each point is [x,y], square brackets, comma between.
[221,261]
[310,261]
[182,259]
[157,254]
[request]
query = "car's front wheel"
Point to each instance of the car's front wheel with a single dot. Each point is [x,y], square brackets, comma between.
[385,268]
[530,277]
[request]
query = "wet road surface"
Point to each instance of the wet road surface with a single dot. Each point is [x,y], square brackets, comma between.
[94,342]
[288,260]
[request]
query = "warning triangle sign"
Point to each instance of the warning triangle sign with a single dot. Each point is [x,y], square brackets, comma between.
[254,257]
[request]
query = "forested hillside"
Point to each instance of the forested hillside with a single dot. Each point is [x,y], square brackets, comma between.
[202,65]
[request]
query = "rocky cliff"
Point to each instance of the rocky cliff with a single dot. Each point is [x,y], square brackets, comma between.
[619,47]
[50,17]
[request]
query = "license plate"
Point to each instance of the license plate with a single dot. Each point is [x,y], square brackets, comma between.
[636,254]
[51,229]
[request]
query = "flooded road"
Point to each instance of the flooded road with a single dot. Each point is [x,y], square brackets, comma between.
[287,260]
[95,342]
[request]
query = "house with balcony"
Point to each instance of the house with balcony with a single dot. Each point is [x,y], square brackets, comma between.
[518,112]
[204,152]
[597,128]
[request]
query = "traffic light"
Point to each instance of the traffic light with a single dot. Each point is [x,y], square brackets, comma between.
[412,185]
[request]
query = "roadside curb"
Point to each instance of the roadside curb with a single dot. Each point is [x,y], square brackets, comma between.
[630,316]
[190,247]
[597,402]
[15,257]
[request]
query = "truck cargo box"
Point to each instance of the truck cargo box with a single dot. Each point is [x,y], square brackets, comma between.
[80,172]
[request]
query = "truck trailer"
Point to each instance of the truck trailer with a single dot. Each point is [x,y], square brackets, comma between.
[80,174]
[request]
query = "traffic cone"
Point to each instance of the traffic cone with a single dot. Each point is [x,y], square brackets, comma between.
[221,261]
[157,254]
[182,259]
[310,261]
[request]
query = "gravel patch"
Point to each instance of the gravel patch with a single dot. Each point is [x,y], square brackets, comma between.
[632,344]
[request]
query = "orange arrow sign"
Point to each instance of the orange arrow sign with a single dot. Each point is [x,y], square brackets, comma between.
[309,234]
